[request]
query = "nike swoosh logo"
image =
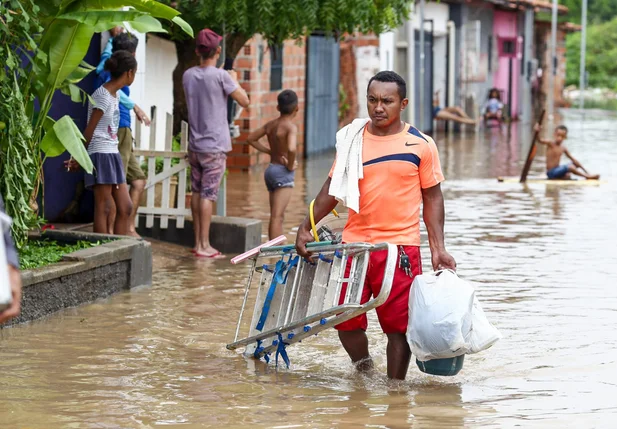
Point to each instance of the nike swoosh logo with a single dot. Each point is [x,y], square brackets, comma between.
[411,144]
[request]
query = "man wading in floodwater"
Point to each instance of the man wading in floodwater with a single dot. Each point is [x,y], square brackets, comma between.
[384,170]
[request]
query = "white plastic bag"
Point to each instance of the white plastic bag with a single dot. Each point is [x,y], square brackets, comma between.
[440,316]
[483,334]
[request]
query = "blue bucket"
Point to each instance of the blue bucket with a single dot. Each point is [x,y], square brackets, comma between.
[444,367]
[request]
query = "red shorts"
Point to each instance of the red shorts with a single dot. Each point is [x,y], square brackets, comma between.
[392,314]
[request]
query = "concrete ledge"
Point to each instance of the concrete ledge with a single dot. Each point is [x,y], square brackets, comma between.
[85,275]
[228,234]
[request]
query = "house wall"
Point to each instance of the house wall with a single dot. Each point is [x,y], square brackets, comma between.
[387,50]
[153,86]
[474,68]
[505,25]
[253,67]
[440,14]
[161,61]
[360,59]
[367,66]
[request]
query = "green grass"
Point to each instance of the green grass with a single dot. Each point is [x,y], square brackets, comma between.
[606,104]
[39,253]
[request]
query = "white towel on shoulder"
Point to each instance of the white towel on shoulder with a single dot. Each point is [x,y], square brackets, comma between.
[348,169]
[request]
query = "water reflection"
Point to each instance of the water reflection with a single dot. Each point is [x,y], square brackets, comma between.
[541,258]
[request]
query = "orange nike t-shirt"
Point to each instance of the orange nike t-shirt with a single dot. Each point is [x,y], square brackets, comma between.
[396,169]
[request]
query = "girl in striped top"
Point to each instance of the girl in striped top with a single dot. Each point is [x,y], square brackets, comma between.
[107,179]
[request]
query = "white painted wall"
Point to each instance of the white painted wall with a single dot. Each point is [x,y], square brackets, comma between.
[440,72]
[387,50]
[368,64]
[161,60]
[153,85]
[438,12]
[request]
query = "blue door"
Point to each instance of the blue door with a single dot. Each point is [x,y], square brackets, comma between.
[322,80]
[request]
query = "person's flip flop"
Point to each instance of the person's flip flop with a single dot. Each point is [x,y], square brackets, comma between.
[217,255]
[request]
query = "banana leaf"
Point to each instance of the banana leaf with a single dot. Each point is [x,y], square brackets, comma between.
[63,136]
[150,7]
[68,43]
[147,24]
[79,73]
[102,20]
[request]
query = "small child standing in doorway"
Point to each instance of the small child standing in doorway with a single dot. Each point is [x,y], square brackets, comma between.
[279,176]
[108,179]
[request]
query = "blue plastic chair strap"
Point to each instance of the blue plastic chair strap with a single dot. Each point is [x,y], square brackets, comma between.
[323,258]
[280,350]
[258,350]
[281,271]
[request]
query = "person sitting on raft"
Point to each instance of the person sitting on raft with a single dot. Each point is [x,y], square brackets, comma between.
[452,113]
[554,150]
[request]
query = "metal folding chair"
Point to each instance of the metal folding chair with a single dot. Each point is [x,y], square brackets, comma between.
[298,298]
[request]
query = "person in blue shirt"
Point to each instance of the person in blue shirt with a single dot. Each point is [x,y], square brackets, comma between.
[12,261]
[135,177]
[493,108]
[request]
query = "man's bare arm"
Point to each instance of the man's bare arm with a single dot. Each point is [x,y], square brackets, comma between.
[537,128]
[574,161]
[324,204]
[241,97]
[434,216]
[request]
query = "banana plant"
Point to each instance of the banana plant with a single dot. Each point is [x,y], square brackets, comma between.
[68,28]
[42,48]
[58,63]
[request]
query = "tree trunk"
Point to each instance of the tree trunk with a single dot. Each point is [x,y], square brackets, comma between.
[234,42]
[185,51]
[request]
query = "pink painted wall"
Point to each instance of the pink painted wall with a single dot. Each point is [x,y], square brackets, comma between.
[505,25]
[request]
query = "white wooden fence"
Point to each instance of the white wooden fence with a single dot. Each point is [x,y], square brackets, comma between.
[167,208]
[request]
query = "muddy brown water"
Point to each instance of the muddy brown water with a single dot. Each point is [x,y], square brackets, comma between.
[542,258]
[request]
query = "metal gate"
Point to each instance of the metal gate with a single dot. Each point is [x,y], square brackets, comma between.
[322,95]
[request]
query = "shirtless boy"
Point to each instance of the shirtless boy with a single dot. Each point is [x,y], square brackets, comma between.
[279,176]
[553,155]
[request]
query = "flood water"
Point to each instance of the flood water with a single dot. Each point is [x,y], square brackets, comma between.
[542,258]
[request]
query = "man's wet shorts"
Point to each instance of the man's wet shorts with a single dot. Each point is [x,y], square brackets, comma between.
[393,314]
[207,170]
[558,172]
[278,176]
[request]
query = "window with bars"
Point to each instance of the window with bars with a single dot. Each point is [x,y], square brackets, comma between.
[276,67]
